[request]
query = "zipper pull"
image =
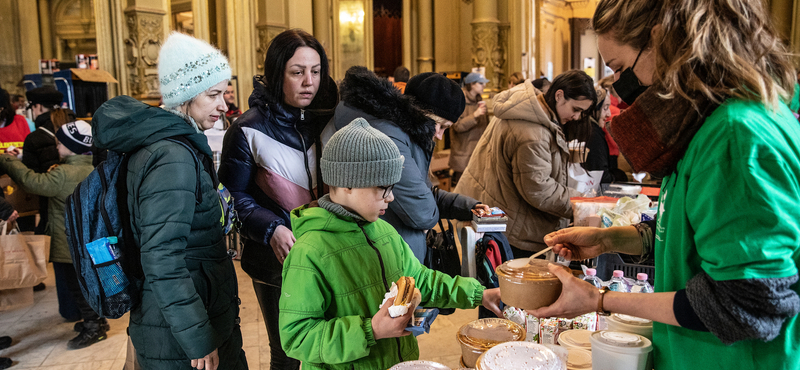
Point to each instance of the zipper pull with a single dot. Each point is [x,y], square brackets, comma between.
[302,114]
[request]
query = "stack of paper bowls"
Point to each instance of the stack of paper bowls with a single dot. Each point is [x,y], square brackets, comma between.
[519,356]
[630,324]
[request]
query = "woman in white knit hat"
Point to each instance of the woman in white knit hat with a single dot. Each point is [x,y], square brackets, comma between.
[188,315]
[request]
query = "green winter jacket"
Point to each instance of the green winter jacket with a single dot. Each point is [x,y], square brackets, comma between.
[189,302]
[334,280]
[57,184]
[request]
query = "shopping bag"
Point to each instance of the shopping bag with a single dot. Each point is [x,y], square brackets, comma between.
[585,182]
[442,255]
[11,299]
[23,260]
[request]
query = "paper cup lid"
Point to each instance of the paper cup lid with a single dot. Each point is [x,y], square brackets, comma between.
[632,320]
[579,359]
[520,356]
[419,365]
[576,338]
[619,339]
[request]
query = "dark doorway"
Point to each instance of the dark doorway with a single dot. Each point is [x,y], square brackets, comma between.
[388,35]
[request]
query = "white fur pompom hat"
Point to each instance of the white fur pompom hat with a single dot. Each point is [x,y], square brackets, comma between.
[188,66]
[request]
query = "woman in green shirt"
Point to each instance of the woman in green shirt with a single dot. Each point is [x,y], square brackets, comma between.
[710,84]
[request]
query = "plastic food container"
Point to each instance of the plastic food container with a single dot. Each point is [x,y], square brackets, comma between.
[576,338]
[528,284]
[579,359]
[419,365]
[519,356]
[614,350]
[630,324]
[478,336]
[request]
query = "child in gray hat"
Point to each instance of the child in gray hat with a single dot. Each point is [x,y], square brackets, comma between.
[346,258]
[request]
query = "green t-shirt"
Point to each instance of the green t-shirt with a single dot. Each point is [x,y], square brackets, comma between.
[731,209]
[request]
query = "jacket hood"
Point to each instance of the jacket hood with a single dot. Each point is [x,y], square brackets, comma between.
[320,110]
[363,90]
[123,124]
[522,102]
[311,217]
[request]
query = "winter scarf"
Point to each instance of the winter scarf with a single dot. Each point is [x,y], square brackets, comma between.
[654,133]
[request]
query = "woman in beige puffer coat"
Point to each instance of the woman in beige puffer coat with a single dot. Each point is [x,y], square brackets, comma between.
[520,163]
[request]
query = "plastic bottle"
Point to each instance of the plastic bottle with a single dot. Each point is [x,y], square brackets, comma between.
[641,285]
[617,283]
[591,278]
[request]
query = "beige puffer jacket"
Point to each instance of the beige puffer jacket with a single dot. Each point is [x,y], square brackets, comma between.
[520,165]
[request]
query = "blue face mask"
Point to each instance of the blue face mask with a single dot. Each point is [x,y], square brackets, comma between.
[628,86]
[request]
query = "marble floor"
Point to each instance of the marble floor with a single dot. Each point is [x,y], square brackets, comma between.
[40,336]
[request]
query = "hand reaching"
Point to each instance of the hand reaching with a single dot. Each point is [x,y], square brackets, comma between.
[578,243]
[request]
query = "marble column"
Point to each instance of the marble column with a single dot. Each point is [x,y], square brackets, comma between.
[46,32]
[241,38]
[322,27]
[425,59]
[486,49]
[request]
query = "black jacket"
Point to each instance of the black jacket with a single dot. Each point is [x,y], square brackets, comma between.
[269,164]
[598,158]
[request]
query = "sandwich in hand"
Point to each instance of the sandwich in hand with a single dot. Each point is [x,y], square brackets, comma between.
[404,295]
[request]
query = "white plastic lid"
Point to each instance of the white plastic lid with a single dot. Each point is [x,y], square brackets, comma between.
[579,359]
[576,338]
[618,273]
[419,365]
[631,320]
[520,355]
[620,342]
[641,276]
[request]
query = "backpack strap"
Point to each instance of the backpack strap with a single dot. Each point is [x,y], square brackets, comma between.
[132,259]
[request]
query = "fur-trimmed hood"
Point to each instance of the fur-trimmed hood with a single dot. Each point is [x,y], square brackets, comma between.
[363,90]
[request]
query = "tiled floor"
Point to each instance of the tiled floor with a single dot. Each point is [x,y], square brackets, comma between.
[40,336]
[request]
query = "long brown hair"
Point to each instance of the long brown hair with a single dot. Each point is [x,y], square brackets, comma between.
[716,48]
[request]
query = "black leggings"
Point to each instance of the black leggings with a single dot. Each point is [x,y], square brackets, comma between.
[268,297]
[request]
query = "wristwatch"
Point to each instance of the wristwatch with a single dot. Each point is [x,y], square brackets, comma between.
[600,310]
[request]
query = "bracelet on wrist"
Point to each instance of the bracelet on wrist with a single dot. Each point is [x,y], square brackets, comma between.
[600,309]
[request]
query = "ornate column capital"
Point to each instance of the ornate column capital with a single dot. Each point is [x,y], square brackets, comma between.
[145,35]
[266,32]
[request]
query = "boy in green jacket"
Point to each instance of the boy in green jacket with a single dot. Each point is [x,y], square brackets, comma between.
[74,148]
[346,258]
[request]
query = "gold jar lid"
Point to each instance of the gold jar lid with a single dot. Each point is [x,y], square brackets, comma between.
[525,269]
[486,333]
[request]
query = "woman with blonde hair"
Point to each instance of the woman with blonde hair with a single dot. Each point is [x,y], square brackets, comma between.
[710,85]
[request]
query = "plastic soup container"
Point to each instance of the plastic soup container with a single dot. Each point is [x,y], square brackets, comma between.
[613,350]
[419,365]
[519,356]
[630,324]
[528,284]
[478,336]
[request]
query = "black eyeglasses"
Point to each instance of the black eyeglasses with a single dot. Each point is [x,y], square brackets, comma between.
[386,190]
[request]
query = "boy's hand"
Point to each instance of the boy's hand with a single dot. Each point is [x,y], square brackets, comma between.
[281,242]
[491,300]
[384,326]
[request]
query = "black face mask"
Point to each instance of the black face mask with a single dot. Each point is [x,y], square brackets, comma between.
[628,86]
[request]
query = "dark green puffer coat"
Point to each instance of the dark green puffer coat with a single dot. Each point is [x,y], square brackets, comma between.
[189,302]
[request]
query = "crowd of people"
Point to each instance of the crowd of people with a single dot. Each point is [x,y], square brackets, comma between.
[331,185]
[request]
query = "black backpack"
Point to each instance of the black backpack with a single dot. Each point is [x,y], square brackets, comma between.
[100,238]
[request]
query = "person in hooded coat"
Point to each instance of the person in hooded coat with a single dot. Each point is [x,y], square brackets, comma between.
[188,312]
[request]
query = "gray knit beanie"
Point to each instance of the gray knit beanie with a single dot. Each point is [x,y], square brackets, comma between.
[359,156]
